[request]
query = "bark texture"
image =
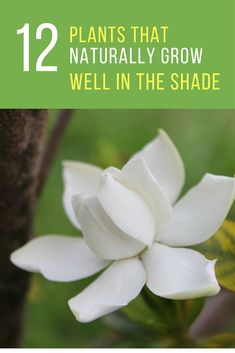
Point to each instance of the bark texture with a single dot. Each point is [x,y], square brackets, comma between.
[21,144]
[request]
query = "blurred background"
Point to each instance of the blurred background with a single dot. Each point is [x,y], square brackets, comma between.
[205,140]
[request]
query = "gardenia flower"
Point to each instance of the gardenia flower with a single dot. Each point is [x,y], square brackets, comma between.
[134,227]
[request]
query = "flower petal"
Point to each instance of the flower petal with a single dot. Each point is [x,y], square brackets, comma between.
[101,233]
[138,176]
[115,288]
[198,215]
[127,209]
[78,178]
[58,258]
[165,163]
[177,273]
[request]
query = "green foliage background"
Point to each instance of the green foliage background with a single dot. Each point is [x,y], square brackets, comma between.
[206,142]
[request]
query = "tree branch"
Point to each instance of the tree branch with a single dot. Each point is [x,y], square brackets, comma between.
[52,146]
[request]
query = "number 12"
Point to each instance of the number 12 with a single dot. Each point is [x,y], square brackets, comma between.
[39,64]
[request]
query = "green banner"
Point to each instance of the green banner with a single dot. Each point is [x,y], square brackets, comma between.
[117,54]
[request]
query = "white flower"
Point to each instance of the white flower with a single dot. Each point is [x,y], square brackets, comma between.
[133,225]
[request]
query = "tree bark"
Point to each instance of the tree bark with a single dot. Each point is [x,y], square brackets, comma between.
[21,144]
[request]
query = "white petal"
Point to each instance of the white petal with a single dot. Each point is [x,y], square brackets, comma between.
[138,176]
[198,215]
[165,163]
[78,178]
[58,258]
[177,273]
[100,232]
[112,170]
[115,288]
[127,209]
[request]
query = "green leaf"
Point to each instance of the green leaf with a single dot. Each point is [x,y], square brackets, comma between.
[193,307]
[177,315]
[221,340]
[222,247]
[139,312]
[164,316]
[126,327]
